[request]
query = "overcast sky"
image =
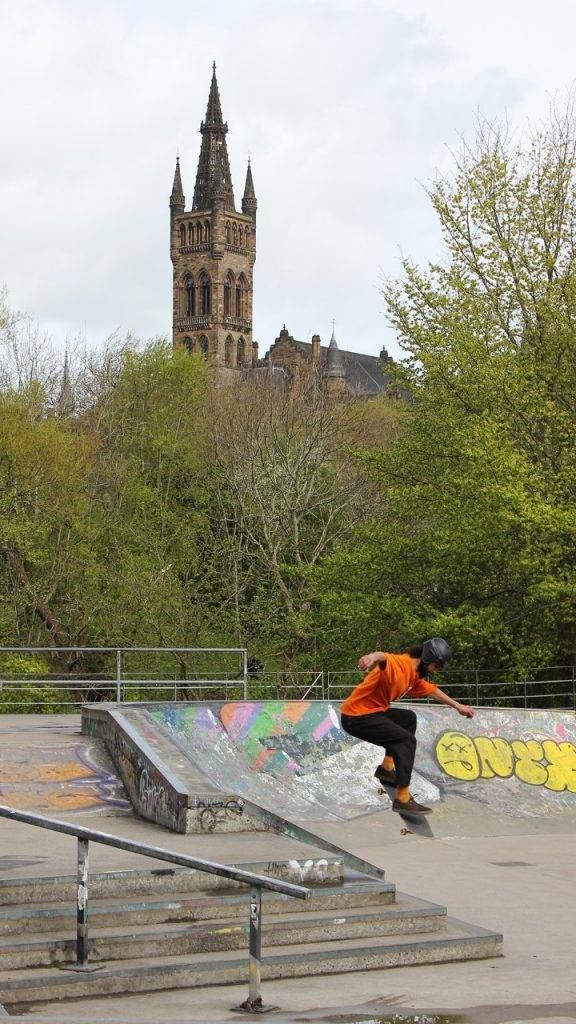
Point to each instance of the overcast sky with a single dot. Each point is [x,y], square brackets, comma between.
[348,107]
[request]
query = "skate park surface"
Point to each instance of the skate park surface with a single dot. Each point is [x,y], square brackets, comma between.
[506,862]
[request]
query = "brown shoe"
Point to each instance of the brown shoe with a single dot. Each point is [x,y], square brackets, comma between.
[410,806]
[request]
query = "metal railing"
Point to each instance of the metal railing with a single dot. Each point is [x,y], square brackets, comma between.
[483,688]
[552,686]
[86,835]
[117,683]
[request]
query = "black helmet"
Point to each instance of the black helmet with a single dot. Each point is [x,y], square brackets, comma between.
[435,651]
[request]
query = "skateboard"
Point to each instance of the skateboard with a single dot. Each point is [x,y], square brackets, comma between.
[415,823]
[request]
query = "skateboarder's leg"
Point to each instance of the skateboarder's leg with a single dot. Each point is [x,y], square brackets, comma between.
[382,730]
[405,718]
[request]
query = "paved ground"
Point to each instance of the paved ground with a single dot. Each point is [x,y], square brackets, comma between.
[522,885]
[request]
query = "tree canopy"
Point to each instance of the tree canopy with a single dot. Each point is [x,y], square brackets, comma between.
[161,510]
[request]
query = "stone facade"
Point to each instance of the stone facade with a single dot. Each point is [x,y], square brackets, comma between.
[342,373]
[213,249]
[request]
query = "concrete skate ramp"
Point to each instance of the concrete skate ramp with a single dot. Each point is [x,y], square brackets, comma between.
[503,771]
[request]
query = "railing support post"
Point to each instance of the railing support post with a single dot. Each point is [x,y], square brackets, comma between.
[255,965]
[118,676]
[82,912]
[254,1002]
[245,674]
[82,909]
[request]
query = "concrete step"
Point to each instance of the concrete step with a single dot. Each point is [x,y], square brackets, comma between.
[200,906]
[318,871]
[458,942]
[406,915]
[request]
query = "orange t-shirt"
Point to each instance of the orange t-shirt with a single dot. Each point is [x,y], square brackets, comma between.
[383,685]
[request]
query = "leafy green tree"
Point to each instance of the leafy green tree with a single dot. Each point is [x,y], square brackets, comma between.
[475,528]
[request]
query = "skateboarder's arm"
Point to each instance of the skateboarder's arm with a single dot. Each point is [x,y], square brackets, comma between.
[443,698]
[374,658]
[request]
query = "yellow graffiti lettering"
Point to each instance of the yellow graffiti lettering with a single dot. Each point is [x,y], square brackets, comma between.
[561,759]
[528,754]
[548,763]
[457,755]
[496,757]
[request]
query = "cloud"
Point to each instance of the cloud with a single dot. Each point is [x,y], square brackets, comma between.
[346,108]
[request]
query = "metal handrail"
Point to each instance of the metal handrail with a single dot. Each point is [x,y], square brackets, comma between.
[87,835]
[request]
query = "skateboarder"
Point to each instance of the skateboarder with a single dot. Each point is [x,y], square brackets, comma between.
[367,713]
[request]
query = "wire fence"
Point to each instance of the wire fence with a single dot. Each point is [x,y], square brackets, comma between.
[191,674]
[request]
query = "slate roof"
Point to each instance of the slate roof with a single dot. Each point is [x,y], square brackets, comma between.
[364,373]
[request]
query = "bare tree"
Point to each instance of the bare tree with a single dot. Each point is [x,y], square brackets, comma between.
[287,491]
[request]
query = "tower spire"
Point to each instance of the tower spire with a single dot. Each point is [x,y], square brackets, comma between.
[213,172]
[65,402]
[177,200]
[249,203]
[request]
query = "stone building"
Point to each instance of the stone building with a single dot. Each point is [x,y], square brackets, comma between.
[341,372]
[213,249]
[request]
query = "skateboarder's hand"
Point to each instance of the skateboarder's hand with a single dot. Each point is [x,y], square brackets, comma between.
[368,660]
[465,711]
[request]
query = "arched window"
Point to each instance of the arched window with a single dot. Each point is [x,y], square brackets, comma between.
[247,237]
[240,296]
[240,352]
[228,286]
[235,234]
[190,297]
[204,346]
[189,345]
[205,294]
[190,234]
[198,233]
[182,235]
[228,235]
[206,230]
[240,235]
[228,351]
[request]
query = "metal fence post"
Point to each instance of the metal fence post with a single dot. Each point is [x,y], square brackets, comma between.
[477,687]
[245,673]
[118,676]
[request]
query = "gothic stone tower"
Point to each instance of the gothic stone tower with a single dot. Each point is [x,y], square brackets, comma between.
[213,249]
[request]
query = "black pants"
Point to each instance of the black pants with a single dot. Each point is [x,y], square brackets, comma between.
[394,730]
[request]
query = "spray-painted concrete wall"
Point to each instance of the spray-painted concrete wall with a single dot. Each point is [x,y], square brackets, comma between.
[199,767]
[295,754]
[153,790]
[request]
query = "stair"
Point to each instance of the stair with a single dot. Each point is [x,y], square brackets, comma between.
[151,931]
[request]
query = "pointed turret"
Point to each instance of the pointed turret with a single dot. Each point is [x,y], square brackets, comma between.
[213,174]
[249,204]
[177,200]
[335,370]
[335,365]
[65,404]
